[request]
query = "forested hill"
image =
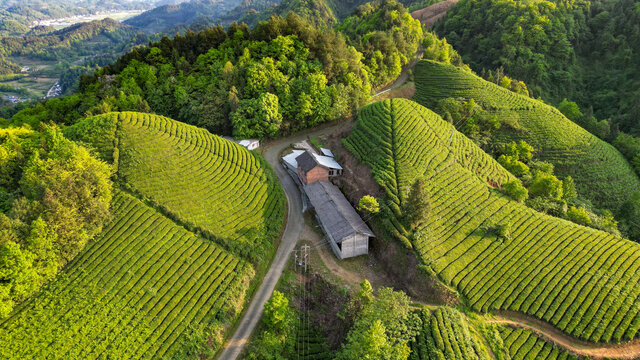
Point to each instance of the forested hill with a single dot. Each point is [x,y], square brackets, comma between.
[585,51]
[166,17]
[79,39]
[17,15]
[281,76]
[327,13]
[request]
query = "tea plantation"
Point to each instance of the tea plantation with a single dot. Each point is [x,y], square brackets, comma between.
[445,334]
[581,280]
[524,344]
[601,173]
[167,275]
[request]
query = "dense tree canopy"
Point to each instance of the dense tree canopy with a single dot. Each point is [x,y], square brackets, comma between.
[54,196]
[386,34]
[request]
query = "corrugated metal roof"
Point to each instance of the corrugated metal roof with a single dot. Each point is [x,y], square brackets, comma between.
[326,152]
[327,162]
[335,212]
[291,158]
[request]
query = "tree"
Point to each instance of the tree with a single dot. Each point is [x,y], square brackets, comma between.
[277,315]
[369,204]
[372,344]
[568,189]
[546,185]
[418,204]
[578,215]
[571,110]
[257,118]
[516,190]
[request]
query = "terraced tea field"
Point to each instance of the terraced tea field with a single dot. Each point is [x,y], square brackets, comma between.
[523,344]
[445,334]
[582,281]
[218,187]
[600,171]
[194,217]
[132,294]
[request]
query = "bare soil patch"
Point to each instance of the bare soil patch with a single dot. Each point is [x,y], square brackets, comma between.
[431,14]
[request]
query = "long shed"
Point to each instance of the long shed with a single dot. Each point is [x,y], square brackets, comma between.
[347,233]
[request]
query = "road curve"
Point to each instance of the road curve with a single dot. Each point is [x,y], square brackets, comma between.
[295,222]
[292,231]
[629,350]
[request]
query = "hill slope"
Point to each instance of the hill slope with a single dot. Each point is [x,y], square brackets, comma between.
[601,173]
[166,17]
[445,334]
[151,286]
[581,280]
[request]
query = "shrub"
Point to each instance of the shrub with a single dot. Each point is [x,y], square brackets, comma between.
[516,190]
[578,215]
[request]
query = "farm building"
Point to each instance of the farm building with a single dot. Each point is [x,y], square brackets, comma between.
[312,167]
[347,233]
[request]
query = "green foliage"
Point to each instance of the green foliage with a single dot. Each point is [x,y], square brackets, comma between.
[578,215]
[418,205]
[230,196]
[568,189]
[257,118]
[561,273]
[546,185]
[277,315]
[369,204]
[439,50]
[144,288]
[383,328]
[516,190]
[524,344]
[600,172]
[387,36]
[56,198]
[445,334]
[581,50]
[228,82]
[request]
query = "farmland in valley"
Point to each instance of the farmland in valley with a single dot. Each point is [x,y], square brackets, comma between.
[600,171]
[581,280]
[168,271]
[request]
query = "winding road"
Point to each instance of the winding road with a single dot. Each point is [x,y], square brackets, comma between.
[629,350]
[295,223]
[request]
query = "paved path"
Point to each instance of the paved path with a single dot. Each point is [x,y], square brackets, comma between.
[295,222]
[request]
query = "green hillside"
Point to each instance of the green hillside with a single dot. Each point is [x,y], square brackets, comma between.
[219,188]
[600,171]
[132,293]
[172,269]
[579,279]
[524,344]
[445,334]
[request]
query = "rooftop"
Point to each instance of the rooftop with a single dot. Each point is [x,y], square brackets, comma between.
[335,212]
[307,161]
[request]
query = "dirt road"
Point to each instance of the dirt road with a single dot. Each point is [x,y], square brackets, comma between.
[629,350]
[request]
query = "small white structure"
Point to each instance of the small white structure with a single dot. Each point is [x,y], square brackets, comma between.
[250,144]
[347,232]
